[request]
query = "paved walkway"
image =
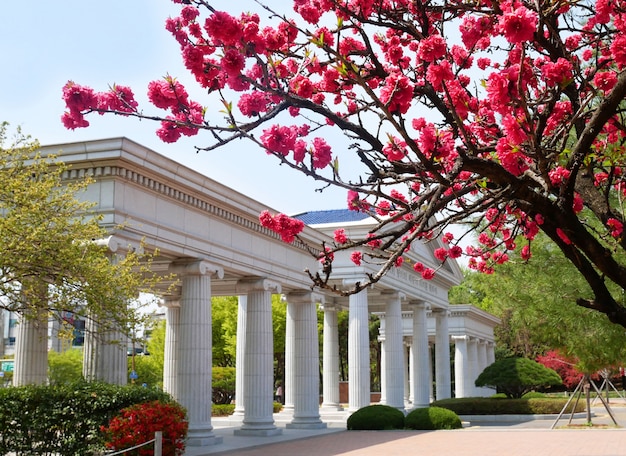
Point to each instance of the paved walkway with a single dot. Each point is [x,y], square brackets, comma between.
[529,438]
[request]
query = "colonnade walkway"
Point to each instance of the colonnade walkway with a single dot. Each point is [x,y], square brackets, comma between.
[527,438]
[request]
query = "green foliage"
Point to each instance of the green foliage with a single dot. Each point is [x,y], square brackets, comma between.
[376,417]
[529,313]
[46,237]
[223,385]
[224,316]
[505,406]
[63,419]
[517,376]
[65,367]
[222,409]
[432,419]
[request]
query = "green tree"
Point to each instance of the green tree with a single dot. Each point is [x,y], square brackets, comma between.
[224,315]
[533,301]
[50,264]
[149,368]
[65,367]
[517,376]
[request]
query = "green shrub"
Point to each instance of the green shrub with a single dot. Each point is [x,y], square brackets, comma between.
[63,419]
[223,384]
[376,417]
[277,407]
[432,419]
[137,424]
[504,406]
[517,376]
[222,409]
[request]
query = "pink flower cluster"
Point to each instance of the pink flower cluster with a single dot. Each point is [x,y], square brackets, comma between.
[81,100]
[287,227]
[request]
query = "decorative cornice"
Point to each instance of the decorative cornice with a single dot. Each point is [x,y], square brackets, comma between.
[97,172]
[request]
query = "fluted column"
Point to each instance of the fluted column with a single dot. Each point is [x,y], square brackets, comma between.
[420,363]
[259,373]
[240,361]
[472,357]
[31,351]
[406,355]
[105,353]
[306,383]
[394,362]
[442,355]
[358,352]
[383,369]
[170,358]
[195,349]
[491,354]
[289,392]
[330,360]
[460,367]
[482,364]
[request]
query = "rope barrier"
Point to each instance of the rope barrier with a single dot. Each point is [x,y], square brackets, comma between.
[156,440]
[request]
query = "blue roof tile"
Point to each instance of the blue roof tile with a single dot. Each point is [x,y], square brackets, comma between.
[331,216]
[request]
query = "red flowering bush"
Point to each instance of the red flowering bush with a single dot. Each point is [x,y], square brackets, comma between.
[137,424]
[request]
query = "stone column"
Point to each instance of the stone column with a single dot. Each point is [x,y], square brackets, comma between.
[240,361]
[491,353]
[394,362]
[170,358]
[472,357]
[358,352]
[330,360]
[420,363]
[259,370]
[31,351]
[306,383]
[105,353]
[442,355]
[290,352]
[406,358]
[383,368]
[195,348]
[482,364]
[460,367]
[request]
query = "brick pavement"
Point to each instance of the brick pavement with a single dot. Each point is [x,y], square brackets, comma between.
[484,442]
[529,438]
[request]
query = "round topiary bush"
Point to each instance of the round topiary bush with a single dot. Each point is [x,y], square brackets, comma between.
[432,418]
[376,418]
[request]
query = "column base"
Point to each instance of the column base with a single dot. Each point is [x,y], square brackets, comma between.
[331,407]
[306,424]
[258,432]
[200,439]
[237,417]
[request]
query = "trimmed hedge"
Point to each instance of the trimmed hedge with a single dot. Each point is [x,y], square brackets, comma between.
[64,419]
[222,409]
[503,406]
[432,419]
[376,418]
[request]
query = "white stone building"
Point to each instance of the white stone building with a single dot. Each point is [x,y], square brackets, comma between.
[210,236]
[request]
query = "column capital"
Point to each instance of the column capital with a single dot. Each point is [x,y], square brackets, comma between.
[169,301]
[196,268]
[420,304]
[305,297]
[439,312]
[463,337]
[257,284]
[393,294]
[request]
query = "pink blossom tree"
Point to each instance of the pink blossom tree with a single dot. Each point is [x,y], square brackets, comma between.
[506,117]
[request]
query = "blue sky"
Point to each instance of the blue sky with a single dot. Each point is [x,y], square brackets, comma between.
[44,44]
